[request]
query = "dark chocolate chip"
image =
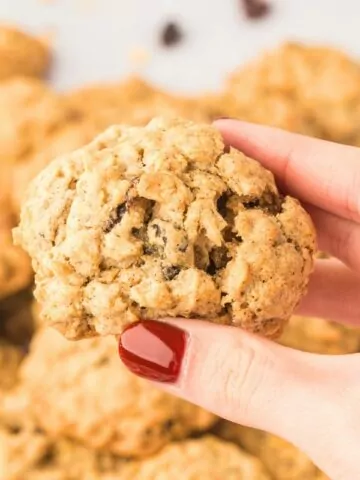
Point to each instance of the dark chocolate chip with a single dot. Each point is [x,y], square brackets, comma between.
[157,229]
[219,257]
[221,204]
[115,217]
[170,272]
[136,232]
[171,34]
[252,204]
[211,269]
[256,9]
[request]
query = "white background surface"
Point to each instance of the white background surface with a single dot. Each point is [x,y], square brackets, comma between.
[94,39]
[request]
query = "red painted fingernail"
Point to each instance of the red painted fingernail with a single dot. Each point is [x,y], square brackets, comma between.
[153,350]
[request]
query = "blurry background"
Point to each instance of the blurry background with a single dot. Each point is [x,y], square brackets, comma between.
[105,39]
[70,410]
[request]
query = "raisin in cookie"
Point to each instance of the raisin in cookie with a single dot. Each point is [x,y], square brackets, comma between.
[89,396]
[282,460]
[21,54]
[164,220]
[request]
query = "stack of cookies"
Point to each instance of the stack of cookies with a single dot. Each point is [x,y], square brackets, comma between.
[68,409]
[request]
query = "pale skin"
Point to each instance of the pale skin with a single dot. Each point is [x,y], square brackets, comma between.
[310,400]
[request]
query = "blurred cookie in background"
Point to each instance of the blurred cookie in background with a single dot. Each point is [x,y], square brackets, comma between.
[30,112]
[273,109]
[22,53]
[15,267]
[317,335]
[68,137]
[282,460]
[321,83]
[91,397]
[28,453]
[132,101]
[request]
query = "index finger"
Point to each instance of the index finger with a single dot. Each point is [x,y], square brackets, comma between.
[322,173]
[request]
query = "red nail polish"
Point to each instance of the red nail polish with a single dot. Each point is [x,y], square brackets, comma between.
[153,350]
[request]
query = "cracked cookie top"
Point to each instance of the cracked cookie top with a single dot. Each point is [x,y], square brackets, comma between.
[164,220]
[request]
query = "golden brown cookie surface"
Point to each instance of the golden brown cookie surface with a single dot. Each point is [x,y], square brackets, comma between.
[164,221]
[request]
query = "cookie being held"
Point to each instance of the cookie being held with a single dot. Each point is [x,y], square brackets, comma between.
[164,221]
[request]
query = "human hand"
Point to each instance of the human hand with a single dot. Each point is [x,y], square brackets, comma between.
[310,400]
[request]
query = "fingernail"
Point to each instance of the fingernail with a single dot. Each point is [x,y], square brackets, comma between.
[153,350]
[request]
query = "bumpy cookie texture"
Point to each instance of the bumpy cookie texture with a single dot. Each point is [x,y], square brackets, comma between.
[282,460]
[21,54]
[163,221]
[320,84]
[30,112]
[31,455]
[91,397]
[317,335]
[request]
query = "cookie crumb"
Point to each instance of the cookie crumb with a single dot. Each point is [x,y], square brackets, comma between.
[256,9]
[171,34]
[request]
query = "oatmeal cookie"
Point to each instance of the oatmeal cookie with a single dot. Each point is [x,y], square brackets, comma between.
[21,54]
[164,221]
[132,101]
[320,84]
[282,460]
[275,109]
[317,335]
[32,455]
[91,397]
[30,111]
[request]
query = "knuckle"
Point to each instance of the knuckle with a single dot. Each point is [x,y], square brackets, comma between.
[238,379]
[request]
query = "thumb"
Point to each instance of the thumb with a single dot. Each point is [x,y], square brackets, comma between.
[249,380]
[238,376]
